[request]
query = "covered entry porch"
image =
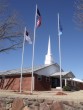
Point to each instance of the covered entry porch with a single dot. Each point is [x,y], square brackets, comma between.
[55,78]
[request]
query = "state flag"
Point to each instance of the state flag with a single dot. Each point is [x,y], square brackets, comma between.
[60,28]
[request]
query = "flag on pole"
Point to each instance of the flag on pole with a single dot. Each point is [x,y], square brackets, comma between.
[38,18]
[27,37]
[60,28]
[37,24]
[60,33]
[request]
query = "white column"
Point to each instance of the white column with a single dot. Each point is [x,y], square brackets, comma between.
[65,82]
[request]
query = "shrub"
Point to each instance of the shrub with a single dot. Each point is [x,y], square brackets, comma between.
[66,88]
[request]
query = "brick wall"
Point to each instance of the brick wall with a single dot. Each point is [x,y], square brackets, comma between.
[80,85]
[13,83]
[26,85]
[42,84]
[9,83]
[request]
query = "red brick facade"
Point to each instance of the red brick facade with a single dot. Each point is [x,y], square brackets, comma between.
[43,84]
[80,85]
[13,83]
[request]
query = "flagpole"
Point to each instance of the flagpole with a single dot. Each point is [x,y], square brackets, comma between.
[59,52]
[32,82]
[22,62]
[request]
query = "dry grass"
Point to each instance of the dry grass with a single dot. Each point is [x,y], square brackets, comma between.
[54,95]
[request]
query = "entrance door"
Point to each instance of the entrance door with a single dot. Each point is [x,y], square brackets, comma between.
[55,82]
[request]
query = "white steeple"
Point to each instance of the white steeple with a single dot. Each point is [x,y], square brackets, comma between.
[48,57]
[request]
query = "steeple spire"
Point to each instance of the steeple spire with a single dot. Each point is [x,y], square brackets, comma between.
[48,57]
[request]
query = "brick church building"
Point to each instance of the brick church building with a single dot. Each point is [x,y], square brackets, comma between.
[45,77]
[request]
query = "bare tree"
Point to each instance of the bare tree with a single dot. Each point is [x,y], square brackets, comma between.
[10,29]
[78,13]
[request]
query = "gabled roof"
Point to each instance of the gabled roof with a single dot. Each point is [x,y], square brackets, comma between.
[68,74]
[26,70]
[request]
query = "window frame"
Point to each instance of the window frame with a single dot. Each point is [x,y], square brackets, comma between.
[39,77]
[48,79]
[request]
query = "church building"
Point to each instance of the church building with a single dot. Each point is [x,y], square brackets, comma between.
[45,77]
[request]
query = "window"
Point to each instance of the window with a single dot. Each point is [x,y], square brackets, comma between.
[39,77]
[47,79]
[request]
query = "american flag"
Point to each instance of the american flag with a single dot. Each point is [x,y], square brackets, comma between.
[38,18]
